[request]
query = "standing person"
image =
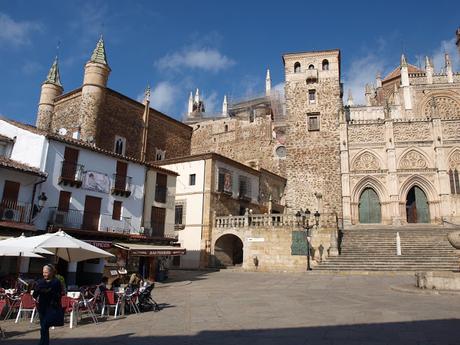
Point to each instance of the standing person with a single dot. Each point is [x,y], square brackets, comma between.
[48,291]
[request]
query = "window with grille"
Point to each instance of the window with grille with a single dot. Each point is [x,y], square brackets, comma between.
[161,188]
[311,96]
[192,179]
[313,122]
[244,187]
[454,181]
[157,221]
[179,214]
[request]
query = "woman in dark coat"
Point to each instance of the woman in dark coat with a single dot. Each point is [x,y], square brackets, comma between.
[48,291]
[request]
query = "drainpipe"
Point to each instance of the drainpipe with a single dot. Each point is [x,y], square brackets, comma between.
[32,204]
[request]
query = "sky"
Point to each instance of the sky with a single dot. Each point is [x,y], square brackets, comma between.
[222,48]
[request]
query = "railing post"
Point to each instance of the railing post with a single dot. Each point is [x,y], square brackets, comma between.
[246,218]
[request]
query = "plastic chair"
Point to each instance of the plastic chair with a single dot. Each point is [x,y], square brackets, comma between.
[13,303]
[27,304]
[68,305]
[111,301]
[131,301]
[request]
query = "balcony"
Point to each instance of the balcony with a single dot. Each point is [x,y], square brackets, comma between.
[71,174]
[122,185]
[75,219]
[15,211]
[161,193]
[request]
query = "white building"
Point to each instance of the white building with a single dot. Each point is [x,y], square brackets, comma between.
[212,185]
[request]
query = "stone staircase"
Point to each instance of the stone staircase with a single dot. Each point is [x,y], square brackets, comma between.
[423,248]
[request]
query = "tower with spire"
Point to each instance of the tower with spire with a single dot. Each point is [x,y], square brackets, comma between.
[51,88]
[93,90]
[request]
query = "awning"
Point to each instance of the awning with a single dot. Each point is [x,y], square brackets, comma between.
[150,250]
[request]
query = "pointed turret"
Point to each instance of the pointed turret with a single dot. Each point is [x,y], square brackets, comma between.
[405,83]
[225,106]
[197,96]
[403,61]
[350,98]
[51,88]
[268,83]
[145,118]
[93,90]
[378,80]
[429,70]
[190,104]
[99,54]
[147,94]
[449,72]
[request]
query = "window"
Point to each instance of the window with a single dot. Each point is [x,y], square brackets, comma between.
[64,201]
[325,65]
[244,187]
[454,181]
[120,144]
[121,176]
[311,67]
[116,213]
[225,181]
[297,67]
[226,128]
[10,192]
[179,214]
[69,165]
[192,179]
[161,188]
[160,154]
[157,221]
[311,96]
[313,122]
[176,261]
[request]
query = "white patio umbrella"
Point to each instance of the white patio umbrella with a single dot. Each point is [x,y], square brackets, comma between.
[62,245]
[14,247]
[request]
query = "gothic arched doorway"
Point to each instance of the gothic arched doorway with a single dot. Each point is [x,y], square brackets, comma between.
[369,207]
[417,210]
[228,250]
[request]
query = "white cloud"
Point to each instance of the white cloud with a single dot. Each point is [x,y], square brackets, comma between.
[164,96]
[450,48]
[16,32]
[208,59]
[31,67]
[212,103]
[362,71]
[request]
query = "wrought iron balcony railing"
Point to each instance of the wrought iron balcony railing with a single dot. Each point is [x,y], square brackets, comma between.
[71,173]
[15,211]
[122,185]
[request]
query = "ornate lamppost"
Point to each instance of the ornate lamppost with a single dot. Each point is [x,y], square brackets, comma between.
[303,218]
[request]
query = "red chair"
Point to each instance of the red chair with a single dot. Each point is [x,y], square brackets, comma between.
[131,301]
[12,302]
[111,301]
[27,304]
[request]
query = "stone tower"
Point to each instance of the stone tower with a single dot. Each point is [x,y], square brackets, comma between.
[313,104]
[93,91]
[51,88]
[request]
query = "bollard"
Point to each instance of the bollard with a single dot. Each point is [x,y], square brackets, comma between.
[398,244]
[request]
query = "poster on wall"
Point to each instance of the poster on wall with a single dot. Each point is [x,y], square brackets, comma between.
[227,182]
[96,181]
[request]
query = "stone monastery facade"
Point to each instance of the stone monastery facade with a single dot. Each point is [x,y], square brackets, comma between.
[394,160]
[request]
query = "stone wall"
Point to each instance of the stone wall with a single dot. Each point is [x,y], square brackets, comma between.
[251,143]
[313,157]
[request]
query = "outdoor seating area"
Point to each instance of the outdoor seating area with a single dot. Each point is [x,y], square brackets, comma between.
[88,304]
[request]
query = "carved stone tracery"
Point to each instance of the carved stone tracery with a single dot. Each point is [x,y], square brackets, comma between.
[366,161]
[413,160]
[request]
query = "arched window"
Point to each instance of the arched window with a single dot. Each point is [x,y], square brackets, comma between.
[311,67]
[297,67]
[454,181]
[325,65]
[226,128]
[120,145]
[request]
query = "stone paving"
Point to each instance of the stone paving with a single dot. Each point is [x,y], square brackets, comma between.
[233,307]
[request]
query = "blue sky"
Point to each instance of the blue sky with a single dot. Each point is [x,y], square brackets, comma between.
[220,47]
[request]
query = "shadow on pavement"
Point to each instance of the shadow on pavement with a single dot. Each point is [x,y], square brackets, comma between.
[429,332]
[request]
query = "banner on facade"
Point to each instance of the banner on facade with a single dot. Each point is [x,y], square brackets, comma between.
[96,181]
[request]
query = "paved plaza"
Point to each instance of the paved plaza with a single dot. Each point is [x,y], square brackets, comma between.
[233,307]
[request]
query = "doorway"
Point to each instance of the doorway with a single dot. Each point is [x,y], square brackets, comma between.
[417,210]
[228,250]
[369,207]
[91,213]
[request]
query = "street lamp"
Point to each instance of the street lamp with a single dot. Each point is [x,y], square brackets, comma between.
[42,201]
[303,217]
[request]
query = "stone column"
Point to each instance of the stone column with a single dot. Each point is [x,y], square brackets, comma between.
[345,172]
[392,209]
[441,165]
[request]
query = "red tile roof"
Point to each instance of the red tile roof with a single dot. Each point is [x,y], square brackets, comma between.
[397,72]
[15,165]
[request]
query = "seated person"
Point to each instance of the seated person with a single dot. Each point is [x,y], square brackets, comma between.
[135,281]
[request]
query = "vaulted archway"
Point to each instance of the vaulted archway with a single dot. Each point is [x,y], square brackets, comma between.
[417,209]
[369,207]
[228,250]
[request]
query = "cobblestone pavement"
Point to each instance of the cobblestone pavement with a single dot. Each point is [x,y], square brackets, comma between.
[232,307]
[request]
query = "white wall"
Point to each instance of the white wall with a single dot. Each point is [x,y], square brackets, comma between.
[190,236]
[29,148]
[93,161]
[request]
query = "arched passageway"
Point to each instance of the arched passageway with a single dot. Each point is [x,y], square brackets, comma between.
[228,250]
[417,209]
[369,207]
